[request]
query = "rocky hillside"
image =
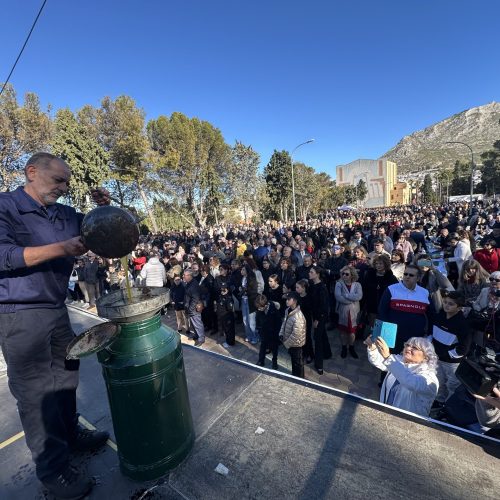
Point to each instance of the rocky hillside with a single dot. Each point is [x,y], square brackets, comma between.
[427,149]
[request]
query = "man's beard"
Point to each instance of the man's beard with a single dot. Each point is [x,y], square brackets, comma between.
[51,198]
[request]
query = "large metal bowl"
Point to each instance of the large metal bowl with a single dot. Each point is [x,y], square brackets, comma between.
[110,231]
[146,302]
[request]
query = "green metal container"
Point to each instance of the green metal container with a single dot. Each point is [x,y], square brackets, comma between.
[143,369]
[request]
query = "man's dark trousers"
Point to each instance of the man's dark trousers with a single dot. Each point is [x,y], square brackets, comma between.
[43,382]
[297,361]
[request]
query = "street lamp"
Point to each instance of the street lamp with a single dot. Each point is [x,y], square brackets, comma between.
[471,170]
[293,179]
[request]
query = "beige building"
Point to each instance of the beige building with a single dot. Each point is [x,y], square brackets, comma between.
[401,194]
[380,177]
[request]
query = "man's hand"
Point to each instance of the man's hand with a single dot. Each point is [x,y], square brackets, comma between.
[100,196]
[492,400]
[37,255]
[74,247]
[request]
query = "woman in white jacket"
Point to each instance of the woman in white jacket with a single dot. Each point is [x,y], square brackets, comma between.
[411,383]
[348,293]
[153,272]
[461,243]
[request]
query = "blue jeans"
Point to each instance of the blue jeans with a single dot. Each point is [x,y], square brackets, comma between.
[248,321]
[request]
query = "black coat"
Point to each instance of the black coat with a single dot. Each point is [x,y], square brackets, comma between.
[177,293]
[225,305]
[306,308]
[332,268]
[207,287]
[276,295]
[234,281]
[374,287]
[302,273]
[268,323]
[249,291]
[319,301]
[286,278]
[90,272]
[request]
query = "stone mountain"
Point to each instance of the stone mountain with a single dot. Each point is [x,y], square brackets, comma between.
[427,149]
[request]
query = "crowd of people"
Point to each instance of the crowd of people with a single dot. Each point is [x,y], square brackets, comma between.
[434,271]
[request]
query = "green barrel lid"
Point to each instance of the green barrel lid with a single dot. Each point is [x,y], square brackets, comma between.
[92,340]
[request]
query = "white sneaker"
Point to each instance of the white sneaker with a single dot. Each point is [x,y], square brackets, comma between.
[86,305]
[225,345]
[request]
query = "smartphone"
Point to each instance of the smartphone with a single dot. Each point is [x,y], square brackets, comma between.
[424,263]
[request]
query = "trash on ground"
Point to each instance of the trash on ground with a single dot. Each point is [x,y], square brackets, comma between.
[222,470]
[260,430]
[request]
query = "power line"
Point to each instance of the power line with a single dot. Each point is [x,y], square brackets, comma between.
[23,47]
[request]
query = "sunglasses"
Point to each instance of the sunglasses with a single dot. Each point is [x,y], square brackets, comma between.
[493,280]
[346,274]
[409,274]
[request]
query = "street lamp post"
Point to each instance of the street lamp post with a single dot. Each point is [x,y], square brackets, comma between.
[471,170]
[293,179]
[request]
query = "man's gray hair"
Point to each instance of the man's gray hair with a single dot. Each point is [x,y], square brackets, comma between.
[41,159]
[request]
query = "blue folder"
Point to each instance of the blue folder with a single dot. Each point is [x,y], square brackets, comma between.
[385,330]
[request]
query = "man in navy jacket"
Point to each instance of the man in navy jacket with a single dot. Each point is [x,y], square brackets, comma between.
[39,239]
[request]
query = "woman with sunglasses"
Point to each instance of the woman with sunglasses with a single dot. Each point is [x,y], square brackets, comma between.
[348,293]
[486,311]
[488,256]
[323,256]
[411,383]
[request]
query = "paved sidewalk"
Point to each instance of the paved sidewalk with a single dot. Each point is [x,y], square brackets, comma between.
[356,376]
[350,375]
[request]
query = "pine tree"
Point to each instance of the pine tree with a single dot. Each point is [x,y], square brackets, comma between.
[87,159]
[491,170]
[428,194]
[278,177]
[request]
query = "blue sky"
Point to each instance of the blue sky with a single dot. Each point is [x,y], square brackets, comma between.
[355,75]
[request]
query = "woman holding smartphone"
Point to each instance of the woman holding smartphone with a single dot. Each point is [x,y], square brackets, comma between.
[411,383]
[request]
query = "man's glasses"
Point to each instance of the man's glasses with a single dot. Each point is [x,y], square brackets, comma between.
[409,275]
[494,280]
